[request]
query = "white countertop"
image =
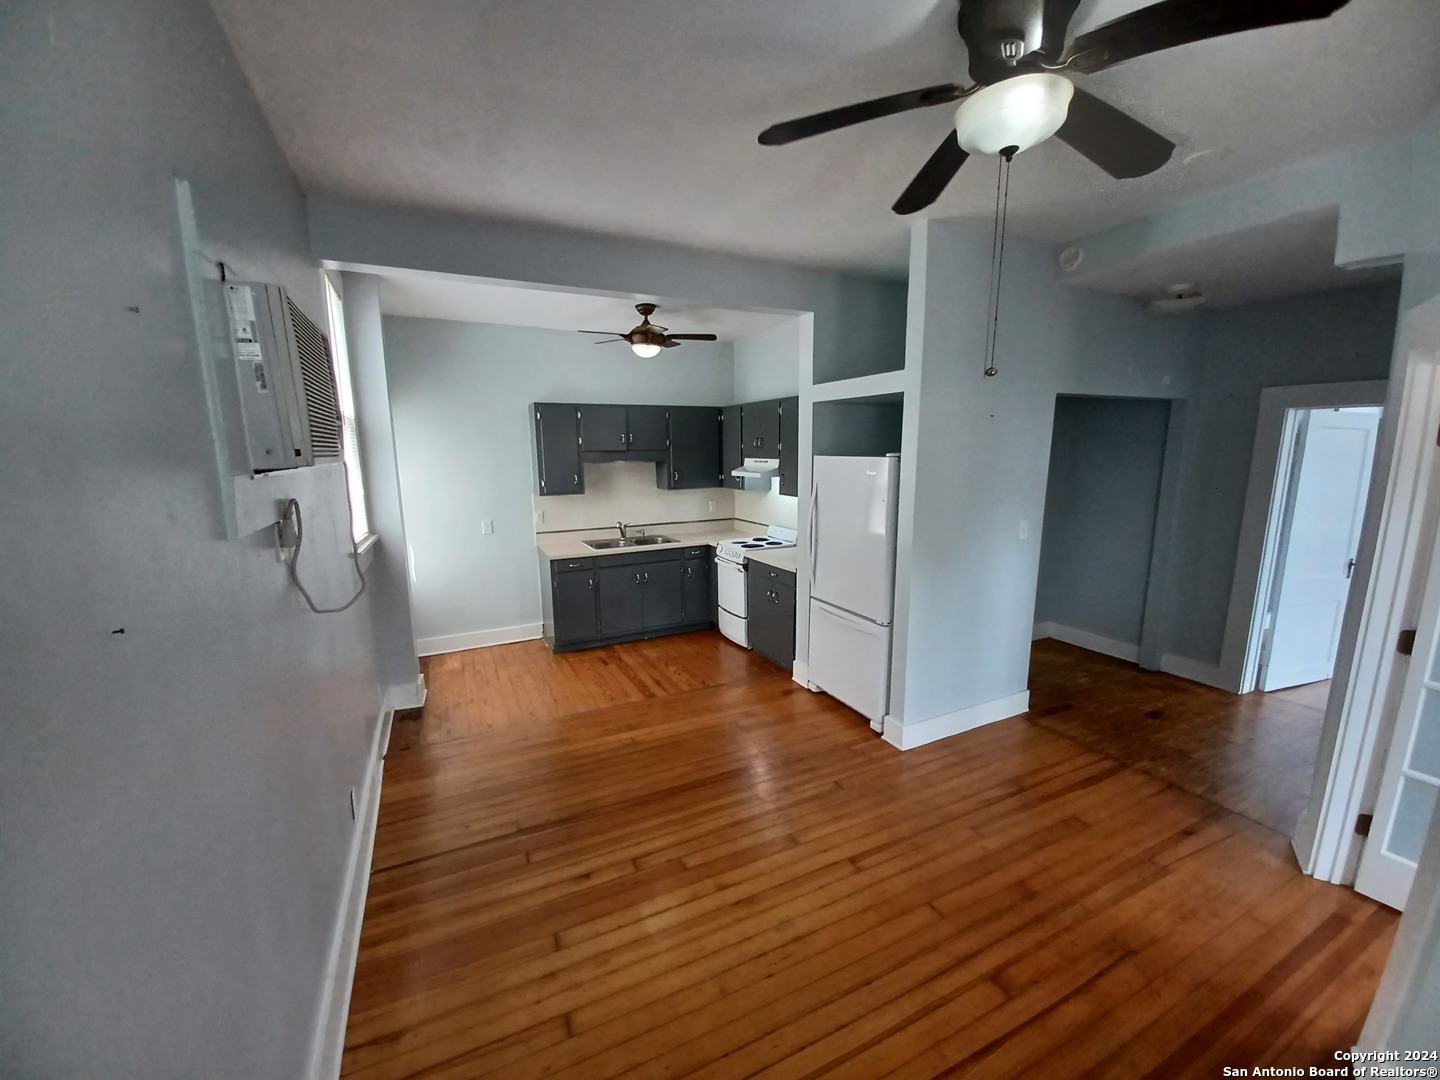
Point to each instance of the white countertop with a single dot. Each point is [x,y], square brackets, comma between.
[571,545]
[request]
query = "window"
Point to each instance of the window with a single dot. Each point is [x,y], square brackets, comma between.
[345,399]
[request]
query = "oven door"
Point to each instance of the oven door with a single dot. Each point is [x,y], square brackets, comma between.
[730,593]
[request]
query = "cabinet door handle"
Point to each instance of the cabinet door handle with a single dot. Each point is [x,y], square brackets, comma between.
[637,579]
[575,477]
[675,475]
[689,571]
[647,577]
[630,438]
[590,584]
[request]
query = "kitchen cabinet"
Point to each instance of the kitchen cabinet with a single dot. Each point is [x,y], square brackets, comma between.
[732,455]
[698,585]
[606,599]
[789,446]
[760,429]
[557,450]
[577,617]
[620,429]
[693,460]
[770,611]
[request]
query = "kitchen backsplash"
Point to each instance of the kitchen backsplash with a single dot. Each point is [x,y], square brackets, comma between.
[626,491]
[768,507]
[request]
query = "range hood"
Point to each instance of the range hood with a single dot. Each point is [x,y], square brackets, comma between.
[758,468]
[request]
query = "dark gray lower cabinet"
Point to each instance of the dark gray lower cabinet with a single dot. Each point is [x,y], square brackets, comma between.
[770,604]
[599,601]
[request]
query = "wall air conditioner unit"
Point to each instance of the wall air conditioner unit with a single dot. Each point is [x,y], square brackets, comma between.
[286,378]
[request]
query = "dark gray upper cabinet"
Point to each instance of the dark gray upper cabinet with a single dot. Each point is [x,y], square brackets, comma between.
[789,446]
[731,454]
[604,429]
[557,450]
[647,426]
[760,429]
[576,611]
[694,458]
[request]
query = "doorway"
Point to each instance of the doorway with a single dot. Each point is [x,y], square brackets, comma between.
[1326,457]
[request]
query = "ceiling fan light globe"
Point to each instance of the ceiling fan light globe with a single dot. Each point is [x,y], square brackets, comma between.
[1021,112]
[645,350]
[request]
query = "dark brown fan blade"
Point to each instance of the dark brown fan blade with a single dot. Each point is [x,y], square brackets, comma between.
[693,337]
[607,341]
[806,126]
[607,333]
[1119,144]
[930,181]
[1179,22]
[670,343]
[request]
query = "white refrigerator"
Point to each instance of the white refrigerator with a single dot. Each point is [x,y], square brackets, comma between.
[852,579]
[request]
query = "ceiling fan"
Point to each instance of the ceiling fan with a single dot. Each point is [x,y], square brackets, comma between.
[648,338]
[1017,49]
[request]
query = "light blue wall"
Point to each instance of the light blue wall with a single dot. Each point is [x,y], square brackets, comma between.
[1343,336]
[1101,499]
[977,452]
[174,800]
[460,395]
[767,364]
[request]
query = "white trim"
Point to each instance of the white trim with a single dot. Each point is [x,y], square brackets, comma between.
[882,382]
[909,736]
[477,639]
[1356,735]
[800,672]
[1185,668]
[407,695]
[1084,639]
[328,1041]
[1263,495]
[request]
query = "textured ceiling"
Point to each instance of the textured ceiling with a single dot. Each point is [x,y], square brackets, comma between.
[1283,258]
[639,117]
[442,296]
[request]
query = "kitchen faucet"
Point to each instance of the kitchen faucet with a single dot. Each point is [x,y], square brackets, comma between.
[622,526]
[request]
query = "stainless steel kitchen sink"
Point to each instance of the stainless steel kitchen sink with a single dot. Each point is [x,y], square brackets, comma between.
[629,542]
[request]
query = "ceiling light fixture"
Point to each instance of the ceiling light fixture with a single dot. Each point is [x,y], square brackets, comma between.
[1021,112]
[645,350]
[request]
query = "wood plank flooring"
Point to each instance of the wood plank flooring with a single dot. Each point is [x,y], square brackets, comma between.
[1253,754]
[671,860]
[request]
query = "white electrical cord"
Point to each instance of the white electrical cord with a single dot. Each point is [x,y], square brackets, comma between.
[292,509]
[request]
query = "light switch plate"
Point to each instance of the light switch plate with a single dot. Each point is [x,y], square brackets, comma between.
[487,528]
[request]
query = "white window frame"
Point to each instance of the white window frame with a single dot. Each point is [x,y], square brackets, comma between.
[345,402]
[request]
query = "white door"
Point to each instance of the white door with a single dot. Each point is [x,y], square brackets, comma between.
[850,660]
[1326,510]
[852,534]
[1411,780]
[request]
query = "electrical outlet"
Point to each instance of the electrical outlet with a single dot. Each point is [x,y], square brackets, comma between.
[710,506]
[487,528]
[352,804]
[539,517]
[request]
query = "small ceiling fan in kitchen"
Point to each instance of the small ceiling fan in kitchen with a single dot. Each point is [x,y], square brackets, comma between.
[648,338]
[1019,98]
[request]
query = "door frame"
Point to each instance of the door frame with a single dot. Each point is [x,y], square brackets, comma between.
[1395,545]
[1265,500]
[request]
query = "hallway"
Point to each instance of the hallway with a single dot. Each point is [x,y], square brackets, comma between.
[672,860]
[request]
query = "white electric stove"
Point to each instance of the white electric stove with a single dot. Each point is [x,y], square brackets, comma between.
[730,560]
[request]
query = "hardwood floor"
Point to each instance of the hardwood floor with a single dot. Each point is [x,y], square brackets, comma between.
[1253,754]
[672,860]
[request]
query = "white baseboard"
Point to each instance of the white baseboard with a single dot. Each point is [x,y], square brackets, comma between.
[800,672]
[909,736]
[406,696]
[477,639]
[328,1041]
[1121,650]
[1194,670]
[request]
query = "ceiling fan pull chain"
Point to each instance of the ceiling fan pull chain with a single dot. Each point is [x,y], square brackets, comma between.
[997,256]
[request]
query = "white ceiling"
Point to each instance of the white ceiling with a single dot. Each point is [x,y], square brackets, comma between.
[442,296]
[639,117]
[1283,258]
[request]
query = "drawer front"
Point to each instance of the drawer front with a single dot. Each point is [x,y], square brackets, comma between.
[701,552]
[783,578]
[561,565]
[640,558]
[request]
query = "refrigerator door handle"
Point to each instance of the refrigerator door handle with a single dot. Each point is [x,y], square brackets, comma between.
[814,529]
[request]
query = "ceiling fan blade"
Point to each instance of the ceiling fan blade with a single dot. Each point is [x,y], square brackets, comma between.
[1179,22]
[670,343]
[930,181]
[834,119]
[1058,14]
[607,333]
[608,341]
[693,337]
[1119,144]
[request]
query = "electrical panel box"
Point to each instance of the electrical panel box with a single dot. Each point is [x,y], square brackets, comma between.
[285,376]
